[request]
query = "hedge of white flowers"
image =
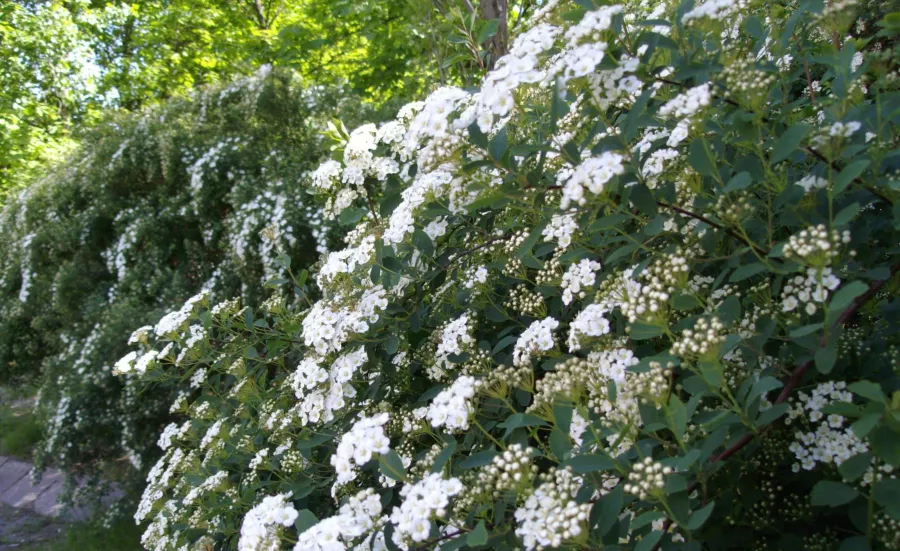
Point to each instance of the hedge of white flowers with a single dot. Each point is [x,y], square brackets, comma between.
[202,193]
[637,292]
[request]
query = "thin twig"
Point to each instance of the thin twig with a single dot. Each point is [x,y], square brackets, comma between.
[709,222]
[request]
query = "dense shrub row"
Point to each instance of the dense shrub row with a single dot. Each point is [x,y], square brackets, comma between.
[203,193]
[636,292]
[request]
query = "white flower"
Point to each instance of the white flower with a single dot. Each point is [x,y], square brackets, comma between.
[592,174]
[537,338]
[426,499]
[578,279]
[590,322]
[361,443]
[453,406]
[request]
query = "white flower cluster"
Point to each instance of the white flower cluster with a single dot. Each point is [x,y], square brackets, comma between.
[647,478]
[359,445]
[260,527]
[586,47]
[560,229]
[838,130]
[578,279]
[359,516]
[346,261]
[520,66]
[456,338]
[833,440]
[718,10]
[425,187]
[593,173]
[327,329]
[590,322]
[537,338]
[805,291]
[453,406]
[422,502]
[816,246]
[173,322]
[811,182]
[551,516]
[318,401]
[616,86]
[702,340]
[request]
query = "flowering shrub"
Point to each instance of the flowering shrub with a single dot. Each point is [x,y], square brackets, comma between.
[203,193]
[637,291]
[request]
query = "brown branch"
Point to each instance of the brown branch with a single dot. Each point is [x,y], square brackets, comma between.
[428,544]
[371,203]
[709,222]
[794,380]
[857,180]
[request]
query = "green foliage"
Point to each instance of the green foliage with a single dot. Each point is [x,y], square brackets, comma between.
[19,432]
[638,291]
[205,192]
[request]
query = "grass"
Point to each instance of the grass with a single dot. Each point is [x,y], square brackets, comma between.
[19,431]
[124,535]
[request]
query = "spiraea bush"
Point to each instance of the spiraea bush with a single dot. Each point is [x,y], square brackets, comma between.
[637,291]
[203,193]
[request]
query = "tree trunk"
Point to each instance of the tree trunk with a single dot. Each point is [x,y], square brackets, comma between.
[497,45]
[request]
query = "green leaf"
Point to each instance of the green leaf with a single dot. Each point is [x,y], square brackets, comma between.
[747,271]
[771,415]
[740,181]
[642,331]
[560,443]
[497,147]
[805,330]
[583,464]
[855,543]
[868,389]
[532,238]
[605,513]
[478,536]
[487,29]
[610,221]
[827,493]
[887,492]
[788,142]
[762,386]
[391,466]
[517,420]
[642,198]
[846,215]
[865,424]
[423,242]
[478,459]
[699,158]
[649,541]
[826,357]
[305,520]
[853,468]
[700,516]
[444,456]
[676,415]
[478,137]
[562,413]
[845,295]
[850,173]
